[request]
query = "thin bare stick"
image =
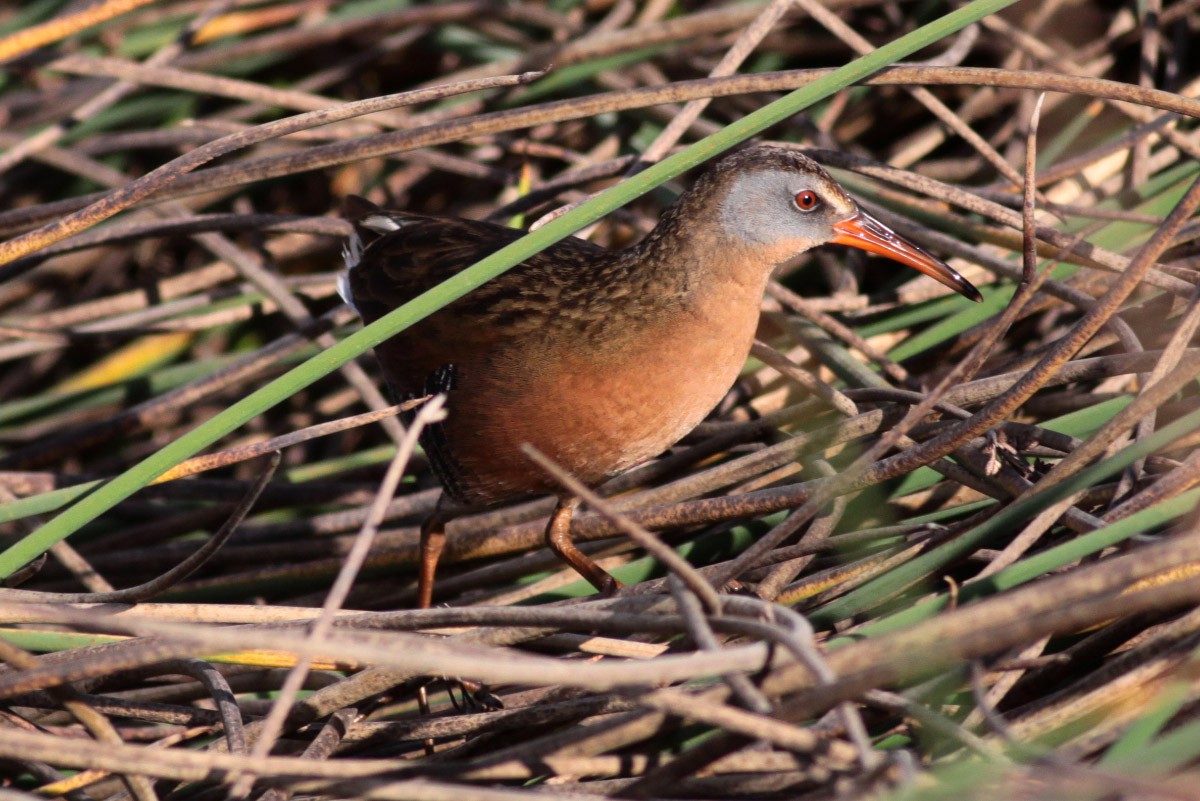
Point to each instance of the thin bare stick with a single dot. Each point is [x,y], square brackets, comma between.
[431,412]
[673,561]
[35,36]
[1029,199]
[156,586]
[163,176]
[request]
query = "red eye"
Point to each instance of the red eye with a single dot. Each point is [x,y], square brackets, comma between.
[807,200]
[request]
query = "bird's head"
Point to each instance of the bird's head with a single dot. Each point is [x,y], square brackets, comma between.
[779,201]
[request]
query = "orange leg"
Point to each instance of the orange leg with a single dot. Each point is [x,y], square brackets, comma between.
[433,540]
[558,538]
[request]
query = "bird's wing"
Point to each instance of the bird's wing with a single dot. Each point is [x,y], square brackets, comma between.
[396,256]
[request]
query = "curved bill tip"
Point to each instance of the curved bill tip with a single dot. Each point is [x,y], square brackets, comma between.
[864,232]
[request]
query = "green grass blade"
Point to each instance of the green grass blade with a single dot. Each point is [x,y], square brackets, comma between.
[916,570]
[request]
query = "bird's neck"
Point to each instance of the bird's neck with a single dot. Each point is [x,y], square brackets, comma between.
[689,253]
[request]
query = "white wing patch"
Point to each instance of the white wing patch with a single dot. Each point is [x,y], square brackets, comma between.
[351,256]
[381,223]
[343,289]
[353,249]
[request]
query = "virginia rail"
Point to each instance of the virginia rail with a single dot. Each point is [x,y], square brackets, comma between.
[601,359]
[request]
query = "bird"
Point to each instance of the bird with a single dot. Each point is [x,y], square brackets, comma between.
[601,359]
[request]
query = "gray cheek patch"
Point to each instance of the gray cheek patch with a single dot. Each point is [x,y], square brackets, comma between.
[757,210]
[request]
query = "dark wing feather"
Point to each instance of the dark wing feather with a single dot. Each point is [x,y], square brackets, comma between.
[396,266]
[403,255]
[434,439]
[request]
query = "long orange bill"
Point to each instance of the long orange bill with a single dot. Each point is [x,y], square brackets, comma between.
[867,233]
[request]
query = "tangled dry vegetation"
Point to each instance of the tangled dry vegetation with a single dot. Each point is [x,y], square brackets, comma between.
[955,545]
